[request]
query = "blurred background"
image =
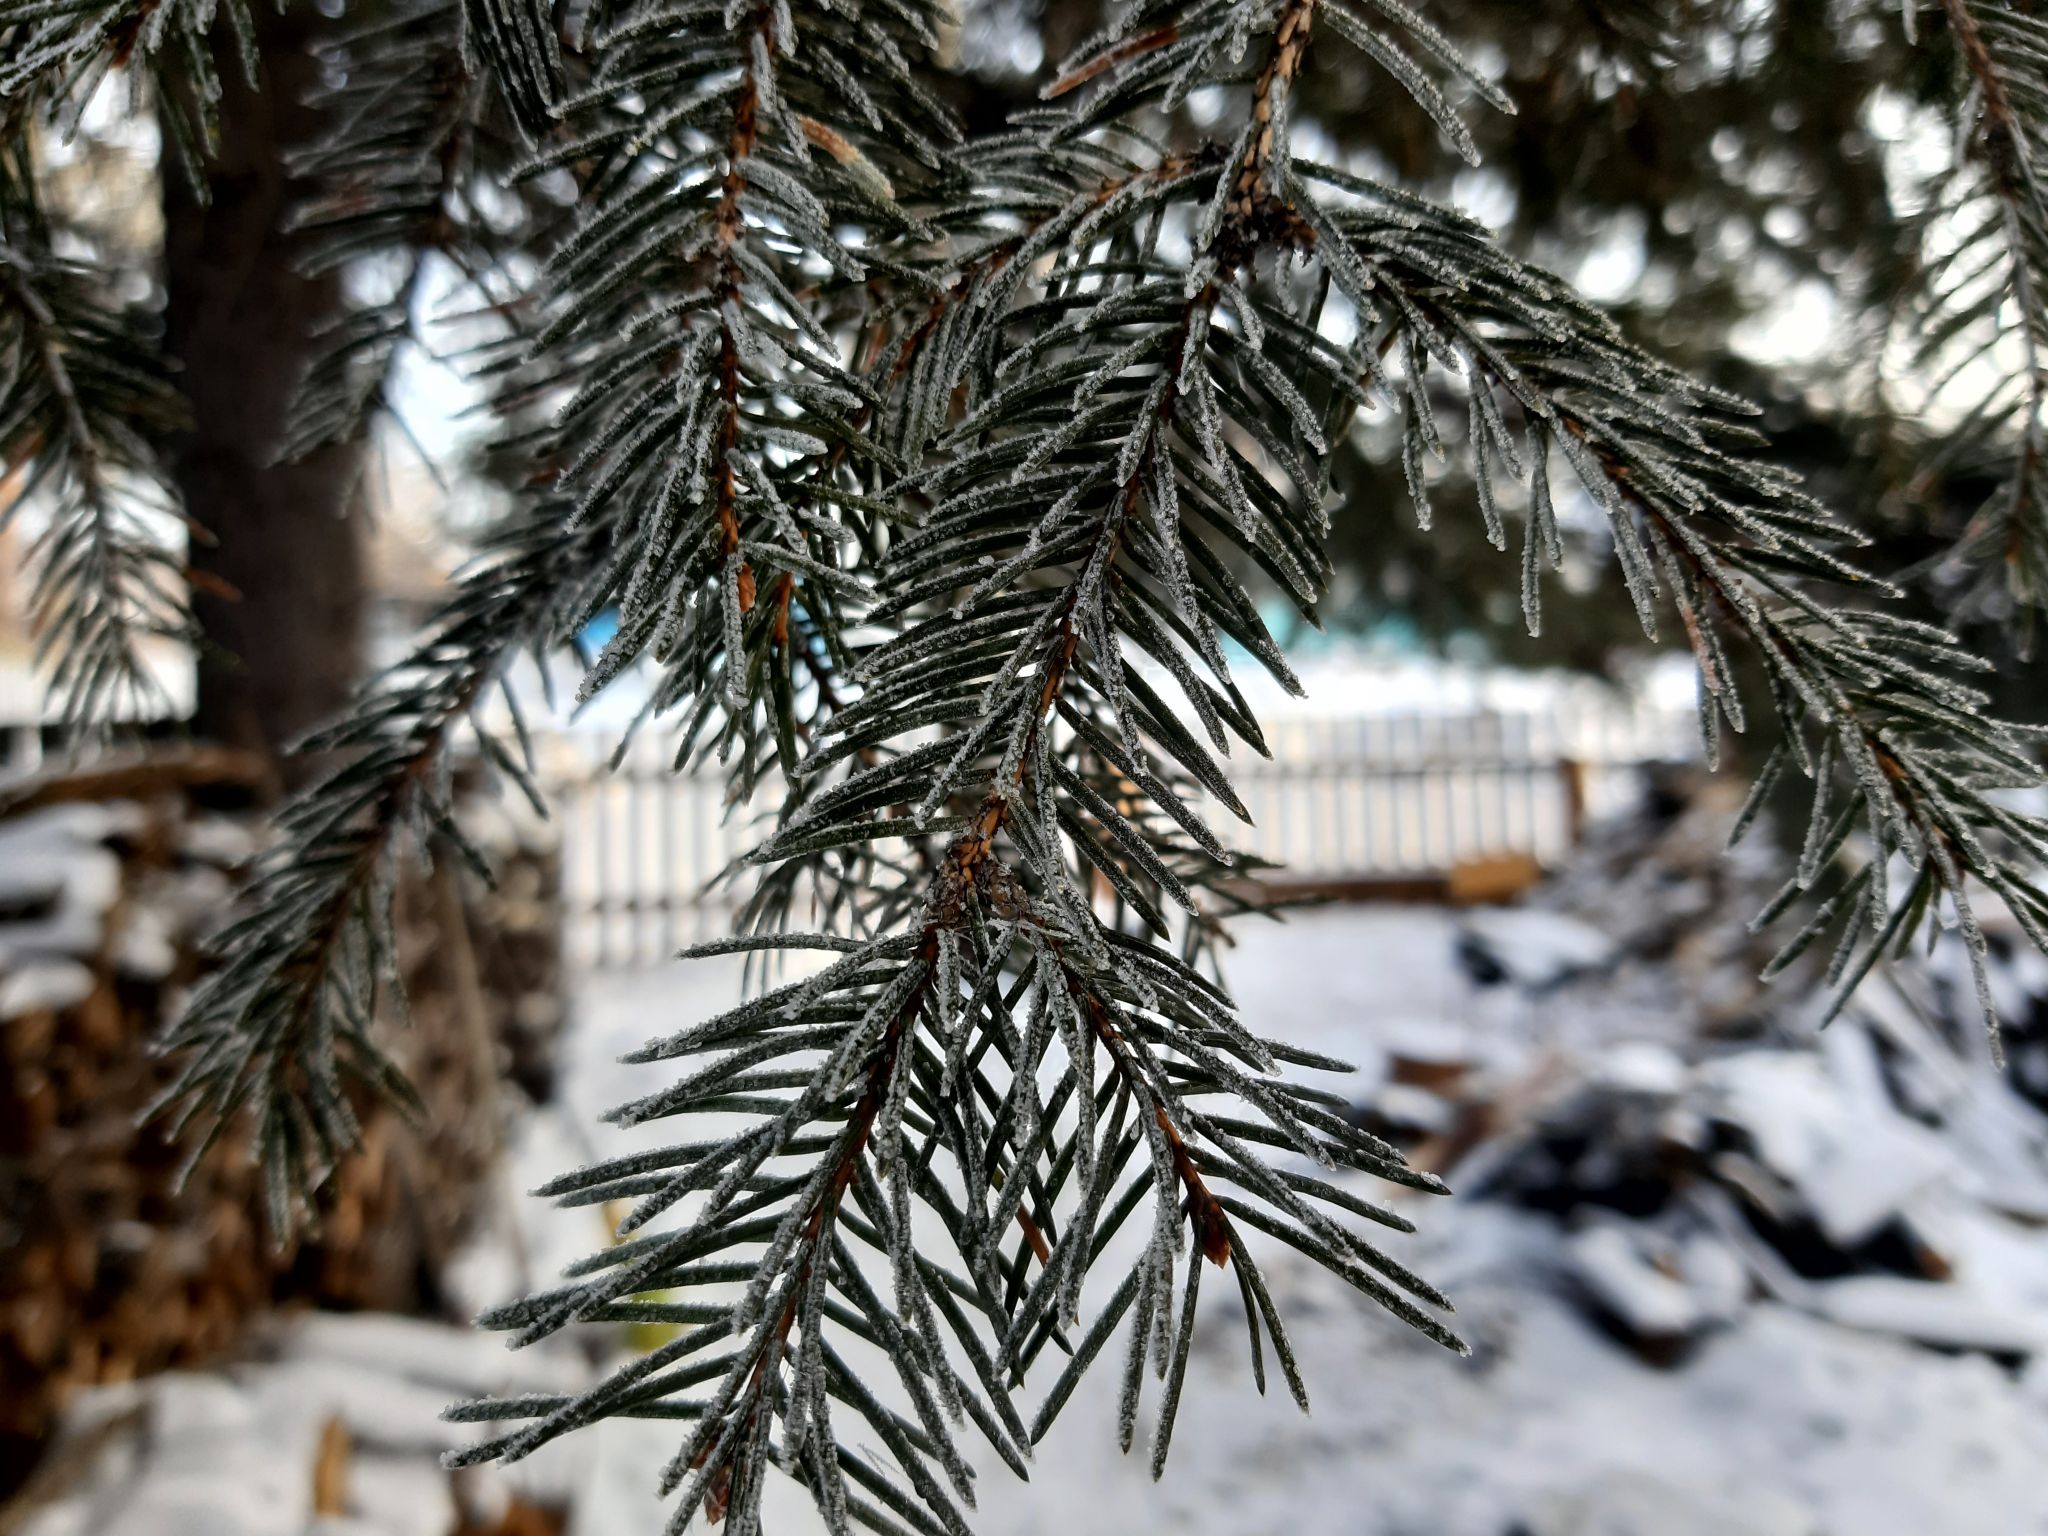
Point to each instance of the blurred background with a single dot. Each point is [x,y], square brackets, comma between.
[1724,1272]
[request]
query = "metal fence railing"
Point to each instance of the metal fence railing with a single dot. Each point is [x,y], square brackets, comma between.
[1343,799]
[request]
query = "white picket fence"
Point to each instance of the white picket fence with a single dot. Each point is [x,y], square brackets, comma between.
[1343,798]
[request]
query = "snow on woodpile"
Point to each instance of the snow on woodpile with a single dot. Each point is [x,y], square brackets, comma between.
[110,1268]
[1625,1071]
[328,1425]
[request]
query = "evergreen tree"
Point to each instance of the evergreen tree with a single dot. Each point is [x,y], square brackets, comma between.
[910,457]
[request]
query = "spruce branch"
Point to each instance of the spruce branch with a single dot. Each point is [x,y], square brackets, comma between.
[410,172]
[55,55]
[1740,552]
[519,44]
[1976,322]
[930,1047]
[290,1016]
[1098,418]
[84,405]
[293,1011]
[696,310]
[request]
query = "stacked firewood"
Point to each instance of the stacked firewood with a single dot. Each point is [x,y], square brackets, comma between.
[1618,1066]
[111,1267]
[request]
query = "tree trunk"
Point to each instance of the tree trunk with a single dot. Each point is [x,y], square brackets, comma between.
[279,592]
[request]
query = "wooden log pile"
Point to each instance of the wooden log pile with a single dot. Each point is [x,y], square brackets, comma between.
[109,1268]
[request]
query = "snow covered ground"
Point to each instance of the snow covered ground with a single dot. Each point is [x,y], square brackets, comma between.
[1779,1426]
[1769,1415]
[1779,1423]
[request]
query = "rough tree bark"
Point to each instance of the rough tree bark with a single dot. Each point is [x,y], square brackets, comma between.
[280,590]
